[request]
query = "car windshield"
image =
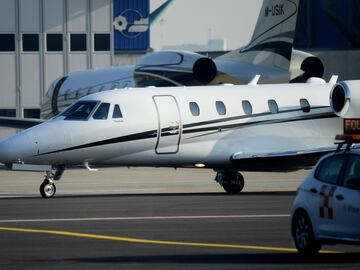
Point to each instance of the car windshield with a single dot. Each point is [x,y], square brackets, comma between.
[81,110]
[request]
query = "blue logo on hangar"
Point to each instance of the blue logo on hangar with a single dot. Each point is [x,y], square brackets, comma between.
[131,25]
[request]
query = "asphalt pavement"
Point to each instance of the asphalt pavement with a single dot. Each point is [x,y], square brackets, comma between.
[157,231]
[148,218]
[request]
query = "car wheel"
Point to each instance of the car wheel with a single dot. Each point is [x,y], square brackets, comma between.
[303,234]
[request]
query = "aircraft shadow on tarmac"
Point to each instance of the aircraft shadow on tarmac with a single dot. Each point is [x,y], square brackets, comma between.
[84,196]
[243,258]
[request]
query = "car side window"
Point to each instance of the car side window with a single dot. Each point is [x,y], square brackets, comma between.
[329,169]
[352,172]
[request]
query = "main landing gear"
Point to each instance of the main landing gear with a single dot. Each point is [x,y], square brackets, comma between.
[48,188]
[232,181]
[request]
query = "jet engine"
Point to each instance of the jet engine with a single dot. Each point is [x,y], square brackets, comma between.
[169,68]
[345,99]
[304,66]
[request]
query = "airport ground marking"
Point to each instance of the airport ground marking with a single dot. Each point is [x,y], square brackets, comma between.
[153,242]
[144,218]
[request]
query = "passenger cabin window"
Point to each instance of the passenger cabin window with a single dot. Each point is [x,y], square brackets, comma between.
[117,112]
[102,112]
[194,108]
[304,104]
[273,107]
[247,107]
[329,169]
[220,107]
[80,110]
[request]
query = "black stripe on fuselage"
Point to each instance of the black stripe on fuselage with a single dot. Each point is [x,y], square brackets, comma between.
[127,138]
[153,133]
[215,129]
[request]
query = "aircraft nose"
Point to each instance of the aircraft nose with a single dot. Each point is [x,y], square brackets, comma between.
[15,148]
[5,147]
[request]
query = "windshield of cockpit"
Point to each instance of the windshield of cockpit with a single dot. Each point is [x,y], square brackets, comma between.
[81,110]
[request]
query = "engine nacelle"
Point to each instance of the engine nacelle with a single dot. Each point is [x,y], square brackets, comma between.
[167,68]
[304,65]
[345,99]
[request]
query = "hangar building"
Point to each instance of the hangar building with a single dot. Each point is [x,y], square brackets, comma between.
[41,40]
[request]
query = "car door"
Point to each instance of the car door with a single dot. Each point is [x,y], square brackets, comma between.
[347,201]
[324,187]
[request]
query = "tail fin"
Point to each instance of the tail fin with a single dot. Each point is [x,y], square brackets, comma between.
[272,41]
[156,14]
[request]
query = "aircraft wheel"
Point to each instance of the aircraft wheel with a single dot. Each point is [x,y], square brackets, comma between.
[303,234]
[234,183]
[47,189]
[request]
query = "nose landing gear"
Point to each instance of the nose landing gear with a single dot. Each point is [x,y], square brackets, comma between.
[48,188]
[231,181]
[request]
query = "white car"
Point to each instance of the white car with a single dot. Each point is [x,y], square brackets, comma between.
[326,209]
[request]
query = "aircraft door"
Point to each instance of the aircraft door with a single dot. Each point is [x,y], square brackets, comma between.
[169,125]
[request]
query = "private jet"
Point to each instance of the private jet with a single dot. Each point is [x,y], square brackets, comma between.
[225,128]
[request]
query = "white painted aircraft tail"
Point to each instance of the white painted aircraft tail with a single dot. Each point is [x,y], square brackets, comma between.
[273,37]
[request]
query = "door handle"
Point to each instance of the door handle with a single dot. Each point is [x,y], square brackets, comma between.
[339,197]
[313,190]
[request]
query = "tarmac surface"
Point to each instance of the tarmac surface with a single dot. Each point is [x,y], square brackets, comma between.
[154,218]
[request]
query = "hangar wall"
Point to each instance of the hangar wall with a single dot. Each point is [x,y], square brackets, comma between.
[41,40]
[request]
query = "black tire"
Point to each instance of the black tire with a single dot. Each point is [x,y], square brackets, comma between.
[303,235]
[47,189]
[236,183]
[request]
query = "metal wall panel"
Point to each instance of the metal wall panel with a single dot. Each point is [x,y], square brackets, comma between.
[328,25]
[7,15]
[77,61]
[53,15]
[100,15]
[29,15]
[30,80]
[53,68]
[101,60]
[77,10]
[7,80]
[131,24]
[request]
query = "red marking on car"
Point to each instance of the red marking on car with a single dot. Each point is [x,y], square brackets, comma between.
[326,195]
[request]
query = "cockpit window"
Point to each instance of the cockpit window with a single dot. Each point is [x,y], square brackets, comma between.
[81,110]
[102,112]
[117,112]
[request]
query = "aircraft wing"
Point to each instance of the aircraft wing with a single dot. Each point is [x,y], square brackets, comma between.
[279,161]
[20,123]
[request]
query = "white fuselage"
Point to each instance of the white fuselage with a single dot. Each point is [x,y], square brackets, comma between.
[157,127]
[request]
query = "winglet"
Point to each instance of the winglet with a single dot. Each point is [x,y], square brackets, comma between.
[254,80]
[334,79]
